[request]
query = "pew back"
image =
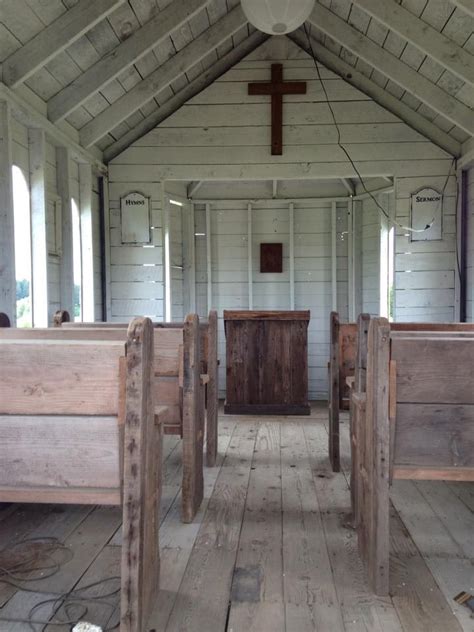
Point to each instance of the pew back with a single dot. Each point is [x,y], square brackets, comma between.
[342,358]
[208,333]
[415,420]
[176,387]
[67,408]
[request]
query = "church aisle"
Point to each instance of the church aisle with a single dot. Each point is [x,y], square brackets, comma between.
[271,548]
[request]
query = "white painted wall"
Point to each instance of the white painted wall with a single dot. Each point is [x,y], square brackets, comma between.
[470,249]
[222,135]
[136,271]
[312,267]
[425,270]
[20,155]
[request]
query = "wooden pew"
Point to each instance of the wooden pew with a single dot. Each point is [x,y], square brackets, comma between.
[342,340]
[358,394]
[209,367]
[77,426]
[179,388]
[341,366]
[414,421]
[4,320]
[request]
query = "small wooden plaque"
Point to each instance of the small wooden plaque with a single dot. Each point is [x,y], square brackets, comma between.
[271,257]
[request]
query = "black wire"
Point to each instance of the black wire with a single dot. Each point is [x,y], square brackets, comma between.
[361,180]
[74,602]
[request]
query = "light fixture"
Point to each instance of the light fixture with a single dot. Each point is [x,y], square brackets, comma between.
[277,17]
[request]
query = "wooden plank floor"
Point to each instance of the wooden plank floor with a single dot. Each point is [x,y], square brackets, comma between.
[270,549]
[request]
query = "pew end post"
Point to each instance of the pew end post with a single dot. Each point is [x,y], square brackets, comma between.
[334,386]
[212,411]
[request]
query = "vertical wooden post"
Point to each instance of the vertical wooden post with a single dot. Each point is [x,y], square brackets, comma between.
[193,421]
[334,386]
[7,222]
[350,260]
[209,256]
[141,482]
[334,255]
[375,511]
[87,242]
[189,259]
[360,382]
[105,210]
[292,254]
[249,254]
[357,416]
[356,256]
[212,431]
[39,240]
[63,177]
[167,258]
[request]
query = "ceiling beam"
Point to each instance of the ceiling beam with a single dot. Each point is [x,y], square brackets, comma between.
[347,182]
[162,77]
[392,67]
[194,87]
[53,39]
[347,72]
[466,5]
[193,187]
[422,35]
[123,56]
[29,116]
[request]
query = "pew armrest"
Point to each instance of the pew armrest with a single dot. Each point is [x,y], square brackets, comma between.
[162,414]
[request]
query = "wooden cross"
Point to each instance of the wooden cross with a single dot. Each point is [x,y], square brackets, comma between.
[276,88]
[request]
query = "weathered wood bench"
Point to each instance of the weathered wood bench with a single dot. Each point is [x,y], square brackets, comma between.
[209,367]
[77,426]
[342,362]
[342,340]
[179,386]
[415,420]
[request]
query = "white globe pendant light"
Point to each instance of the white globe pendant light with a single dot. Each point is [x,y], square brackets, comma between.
[277,17]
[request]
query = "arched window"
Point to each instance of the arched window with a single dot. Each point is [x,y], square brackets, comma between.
[77,259]
[22,225]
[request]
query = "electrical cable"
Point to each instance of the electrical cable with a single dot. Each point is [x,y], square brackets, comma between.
[361,180]
[39,564]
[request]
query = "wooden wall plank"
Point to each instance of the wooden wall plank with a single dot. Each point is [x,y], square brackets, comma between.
[41,377]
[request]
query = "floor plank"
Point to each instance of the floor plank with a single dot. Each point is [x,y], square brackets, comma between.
[177,538]
[361,610]
[256,599]
[211,564]
[270,549]
[310,593]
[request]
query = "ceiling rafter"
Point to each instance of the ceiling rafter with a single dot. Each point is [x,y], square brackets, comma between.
[122,57]
[193,187]
[201,82]
[162,77]
[347,182]
[466,5]
[55,38]
[386,100]
[417,32]
[392,67]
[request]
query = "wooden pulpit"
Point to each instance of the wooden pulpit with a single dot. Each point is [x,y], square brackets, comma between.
[267,362]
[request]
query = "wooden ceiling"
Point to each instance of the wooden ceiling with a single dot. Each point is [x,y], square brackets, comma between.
[132,63]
